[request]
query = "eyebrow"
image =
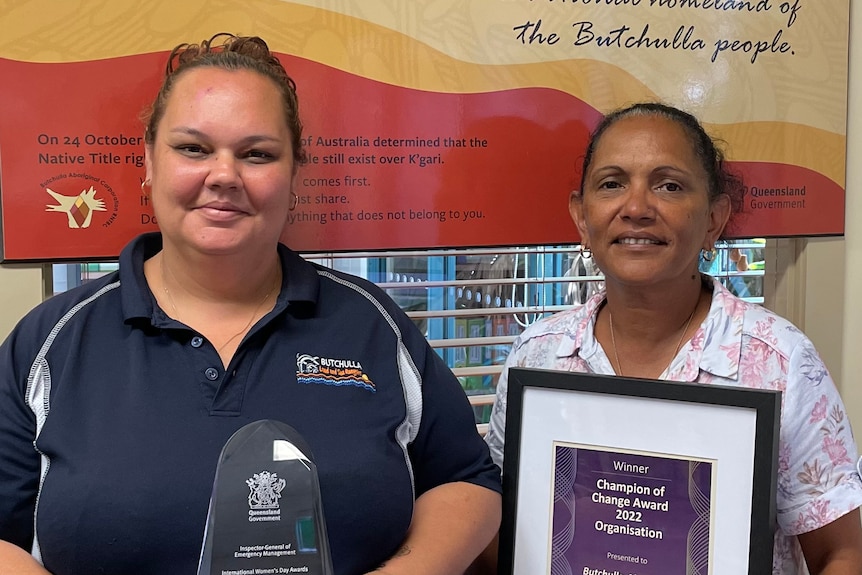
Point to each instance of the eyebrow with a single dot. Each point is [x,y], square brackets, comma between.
[251,139]
[613,168]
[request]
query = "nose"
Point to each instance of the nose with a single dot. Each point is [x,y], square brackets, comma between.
[638,201]
[224,172]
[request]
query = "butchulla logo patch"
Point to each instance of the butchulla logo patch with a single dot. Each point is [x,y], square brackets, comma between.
[337,372]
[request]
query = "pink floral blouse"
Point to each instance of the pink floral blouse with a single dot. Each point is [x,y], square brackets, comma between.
[739,344]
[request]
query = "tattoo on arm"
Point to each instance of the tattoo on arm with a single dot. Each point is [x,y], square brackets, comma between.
[402,551]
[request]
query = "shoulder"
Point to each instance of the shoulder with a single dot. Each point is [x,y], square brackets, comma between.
[770,329]
[757,325]
[558,324]
[352,290]
[361,304]
[63,306]
[769,352]
[570,323]
[45,326]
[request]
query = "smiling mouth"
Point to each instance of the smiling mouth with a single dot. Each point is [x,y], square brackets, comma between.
[221,212]
[639,242]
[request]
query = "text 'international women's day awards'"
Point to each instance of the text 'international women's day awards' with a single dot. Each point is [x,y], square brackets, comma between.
[265,512]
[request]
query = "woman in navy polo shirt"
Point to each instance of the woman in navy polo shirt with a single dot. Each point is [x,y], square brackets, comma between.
[117,397]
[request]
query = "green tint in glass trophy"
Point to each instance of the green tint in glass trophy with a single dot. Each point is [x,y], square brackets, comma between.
[265,512]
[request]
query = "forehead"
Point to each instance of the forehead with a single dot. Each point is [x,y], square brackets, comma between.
[245,93]
[646,138]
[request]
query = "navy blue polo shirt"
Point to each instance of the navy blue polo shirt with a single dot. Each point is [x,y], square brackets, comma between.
[113,415]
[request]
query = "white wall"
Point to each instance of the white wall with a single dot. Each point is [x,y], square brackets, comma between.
[20,290]
[851,364]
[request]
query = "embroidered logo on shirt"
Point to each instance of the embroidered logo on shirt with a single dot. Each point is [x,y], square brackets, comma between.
[265,491]
[336,372]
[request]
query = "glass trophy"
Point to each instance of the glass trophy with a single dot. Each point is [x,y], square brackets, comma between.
[265,513]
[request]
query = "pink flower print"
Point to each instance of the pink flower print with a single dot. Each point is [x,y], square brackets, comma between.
[816,516]
[696,341]
[836,450]
[819,411]
[763,330]
[754,366]
[691,364]
[837,415]
[785,481]
[731,352]
[731,305]
[783,457]
[812,475]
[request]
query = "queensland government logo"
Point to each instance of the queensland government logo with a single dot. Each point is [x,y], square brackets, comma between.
[79,196]
[265,491]
[336,372]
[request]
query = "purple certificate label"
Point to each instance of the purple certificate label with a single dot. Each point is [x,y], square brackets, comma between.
[626,513]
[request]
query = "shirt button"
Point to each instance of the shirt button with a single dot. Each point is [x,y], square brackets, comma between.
[211,373]
[197,341]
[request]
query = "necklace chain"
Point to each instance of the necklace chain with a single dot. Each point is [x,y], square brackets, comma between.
[619,366]
[176,312]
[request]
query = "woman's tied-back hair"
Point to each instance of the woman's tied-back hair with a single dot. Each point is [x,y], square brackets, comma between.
[229,52]
[720,180]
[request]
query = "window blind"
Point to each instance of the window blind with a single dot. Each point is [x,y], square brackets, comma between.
[471,304]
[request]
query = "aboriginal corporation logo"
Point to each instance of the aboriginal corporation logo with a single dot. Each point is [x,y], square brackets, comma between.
[80,196]
[264,492]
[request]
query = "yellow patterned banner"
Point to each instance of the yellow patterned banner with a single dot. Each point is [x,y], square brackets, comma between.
[517,83]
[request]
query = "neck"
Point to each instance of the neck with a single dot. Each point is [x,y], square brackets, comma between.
[642,332]
[218,279]
[653,314]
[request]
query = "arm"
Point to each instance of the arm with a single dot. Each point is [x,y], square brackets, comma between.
[820,491]
[19,461]
[497,425]
[458,506]
[452,524]
[836,548]
[16,561]
[486,562]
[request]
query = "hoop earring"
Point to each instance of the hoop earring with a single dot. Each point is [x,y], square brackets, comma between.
[145,184]
[586,252]
[707,255]
[294,199]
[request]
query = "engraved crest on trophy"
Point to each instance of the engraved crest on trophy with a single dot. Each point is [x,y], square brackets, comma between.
[266,514]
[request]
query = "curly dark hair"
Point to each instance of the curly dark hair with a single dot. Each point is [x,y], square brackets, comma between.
[229,52]
[720,180]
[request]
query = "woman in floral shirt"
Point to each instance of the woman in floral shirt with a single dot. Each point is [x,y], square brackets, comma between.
[654,194]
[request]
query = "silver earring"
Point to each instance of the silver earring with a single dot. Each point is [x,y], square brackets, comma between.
[707,255]
[294,199]
[586,252]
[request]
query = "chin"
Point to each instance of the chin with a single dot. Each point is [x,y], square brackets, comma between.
[219,246]
[642,276]
[219,239]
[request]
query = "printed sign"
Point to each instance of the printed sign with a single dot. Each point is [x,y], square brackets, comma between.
[427,125]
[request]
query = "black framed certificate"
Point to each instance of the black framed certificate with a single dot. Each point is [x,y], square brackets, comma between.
[630,476]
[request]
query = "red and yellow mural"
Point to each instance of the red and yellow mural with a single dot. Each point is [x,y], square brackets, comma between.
[428,123]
